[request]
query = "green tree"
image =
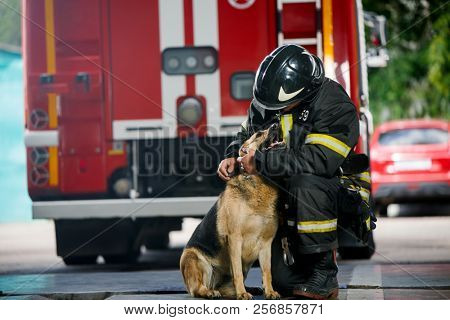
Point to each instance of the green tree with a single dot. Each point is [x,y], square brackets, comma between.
[416,81]
[10,22]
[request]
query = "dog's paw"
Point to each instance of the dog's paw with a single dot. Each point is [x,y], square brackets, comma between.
[272,295]
[213,294]
[244,296]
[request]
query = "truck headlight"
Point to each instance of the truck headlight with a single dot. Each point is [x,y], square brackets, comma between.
[190,112]
[173,63]
[189,60]
[209,61]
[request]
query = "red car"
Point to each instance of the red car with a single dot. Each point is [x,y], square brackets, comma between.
[410,161]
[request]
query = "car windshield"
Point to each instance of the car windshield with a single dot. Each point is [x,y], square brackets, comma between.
[414,136]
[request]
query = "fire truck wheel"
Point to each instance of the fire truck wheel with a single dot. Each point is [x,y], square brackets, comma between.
[83,240]
[157,241]
[121,259]
[79,260]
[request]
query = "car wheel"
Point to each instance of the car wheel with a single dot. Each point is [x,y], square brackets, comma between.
[381,210]
[79,260]
[122,258]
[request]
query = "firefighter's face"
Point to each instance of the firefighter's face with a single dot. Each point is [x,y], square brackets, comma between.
[291,106]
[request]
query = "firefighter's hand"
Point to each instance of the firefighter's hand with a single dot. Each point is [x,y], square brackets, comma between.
[247,162]
[226,168]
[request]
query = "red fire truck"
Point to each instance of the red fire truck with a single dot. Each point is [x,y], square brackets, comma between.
[130,105]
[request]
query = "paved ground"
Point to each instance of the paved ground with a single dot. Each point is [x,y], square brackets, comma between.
[412,262]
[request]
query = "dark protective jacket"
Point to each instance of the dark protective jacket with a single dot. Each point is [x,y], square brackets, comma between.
[320,134]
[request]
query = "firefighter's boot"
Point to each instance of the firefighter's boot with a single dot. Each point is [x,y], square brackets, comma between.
[322,282]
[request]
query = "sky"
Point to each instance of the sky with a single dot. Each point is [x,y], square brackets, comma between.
[15,205]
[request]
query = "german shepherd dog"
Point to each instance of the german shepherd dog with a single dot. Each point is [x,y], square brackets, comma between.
[238,230]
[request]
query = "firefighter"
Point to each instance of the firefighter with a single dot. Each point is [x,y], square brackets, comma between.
[319,128]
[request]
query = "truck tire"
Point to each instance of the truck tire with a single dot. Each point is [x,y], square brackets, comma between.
[154,232]
[79,260]
[129,258]
[157,241]
[81,241]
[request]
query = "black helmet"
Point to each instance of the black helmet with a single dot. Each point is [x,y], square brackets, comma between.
[289,74]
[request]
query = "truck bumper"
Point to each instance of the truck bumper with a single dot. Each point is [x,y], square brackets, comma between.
[121,208]
[388,193]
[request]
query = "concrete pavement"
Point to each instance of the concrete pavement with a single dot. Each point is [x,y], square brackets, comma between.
[412,262]
[356,281]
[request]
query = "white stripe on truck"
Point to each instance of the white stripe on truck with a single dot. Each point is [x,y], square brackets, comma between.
[121,208]
[206,33]
[171,34]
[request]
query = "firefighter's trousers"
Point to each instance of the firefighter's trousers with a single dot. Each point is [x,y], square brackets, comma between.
[311,226]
